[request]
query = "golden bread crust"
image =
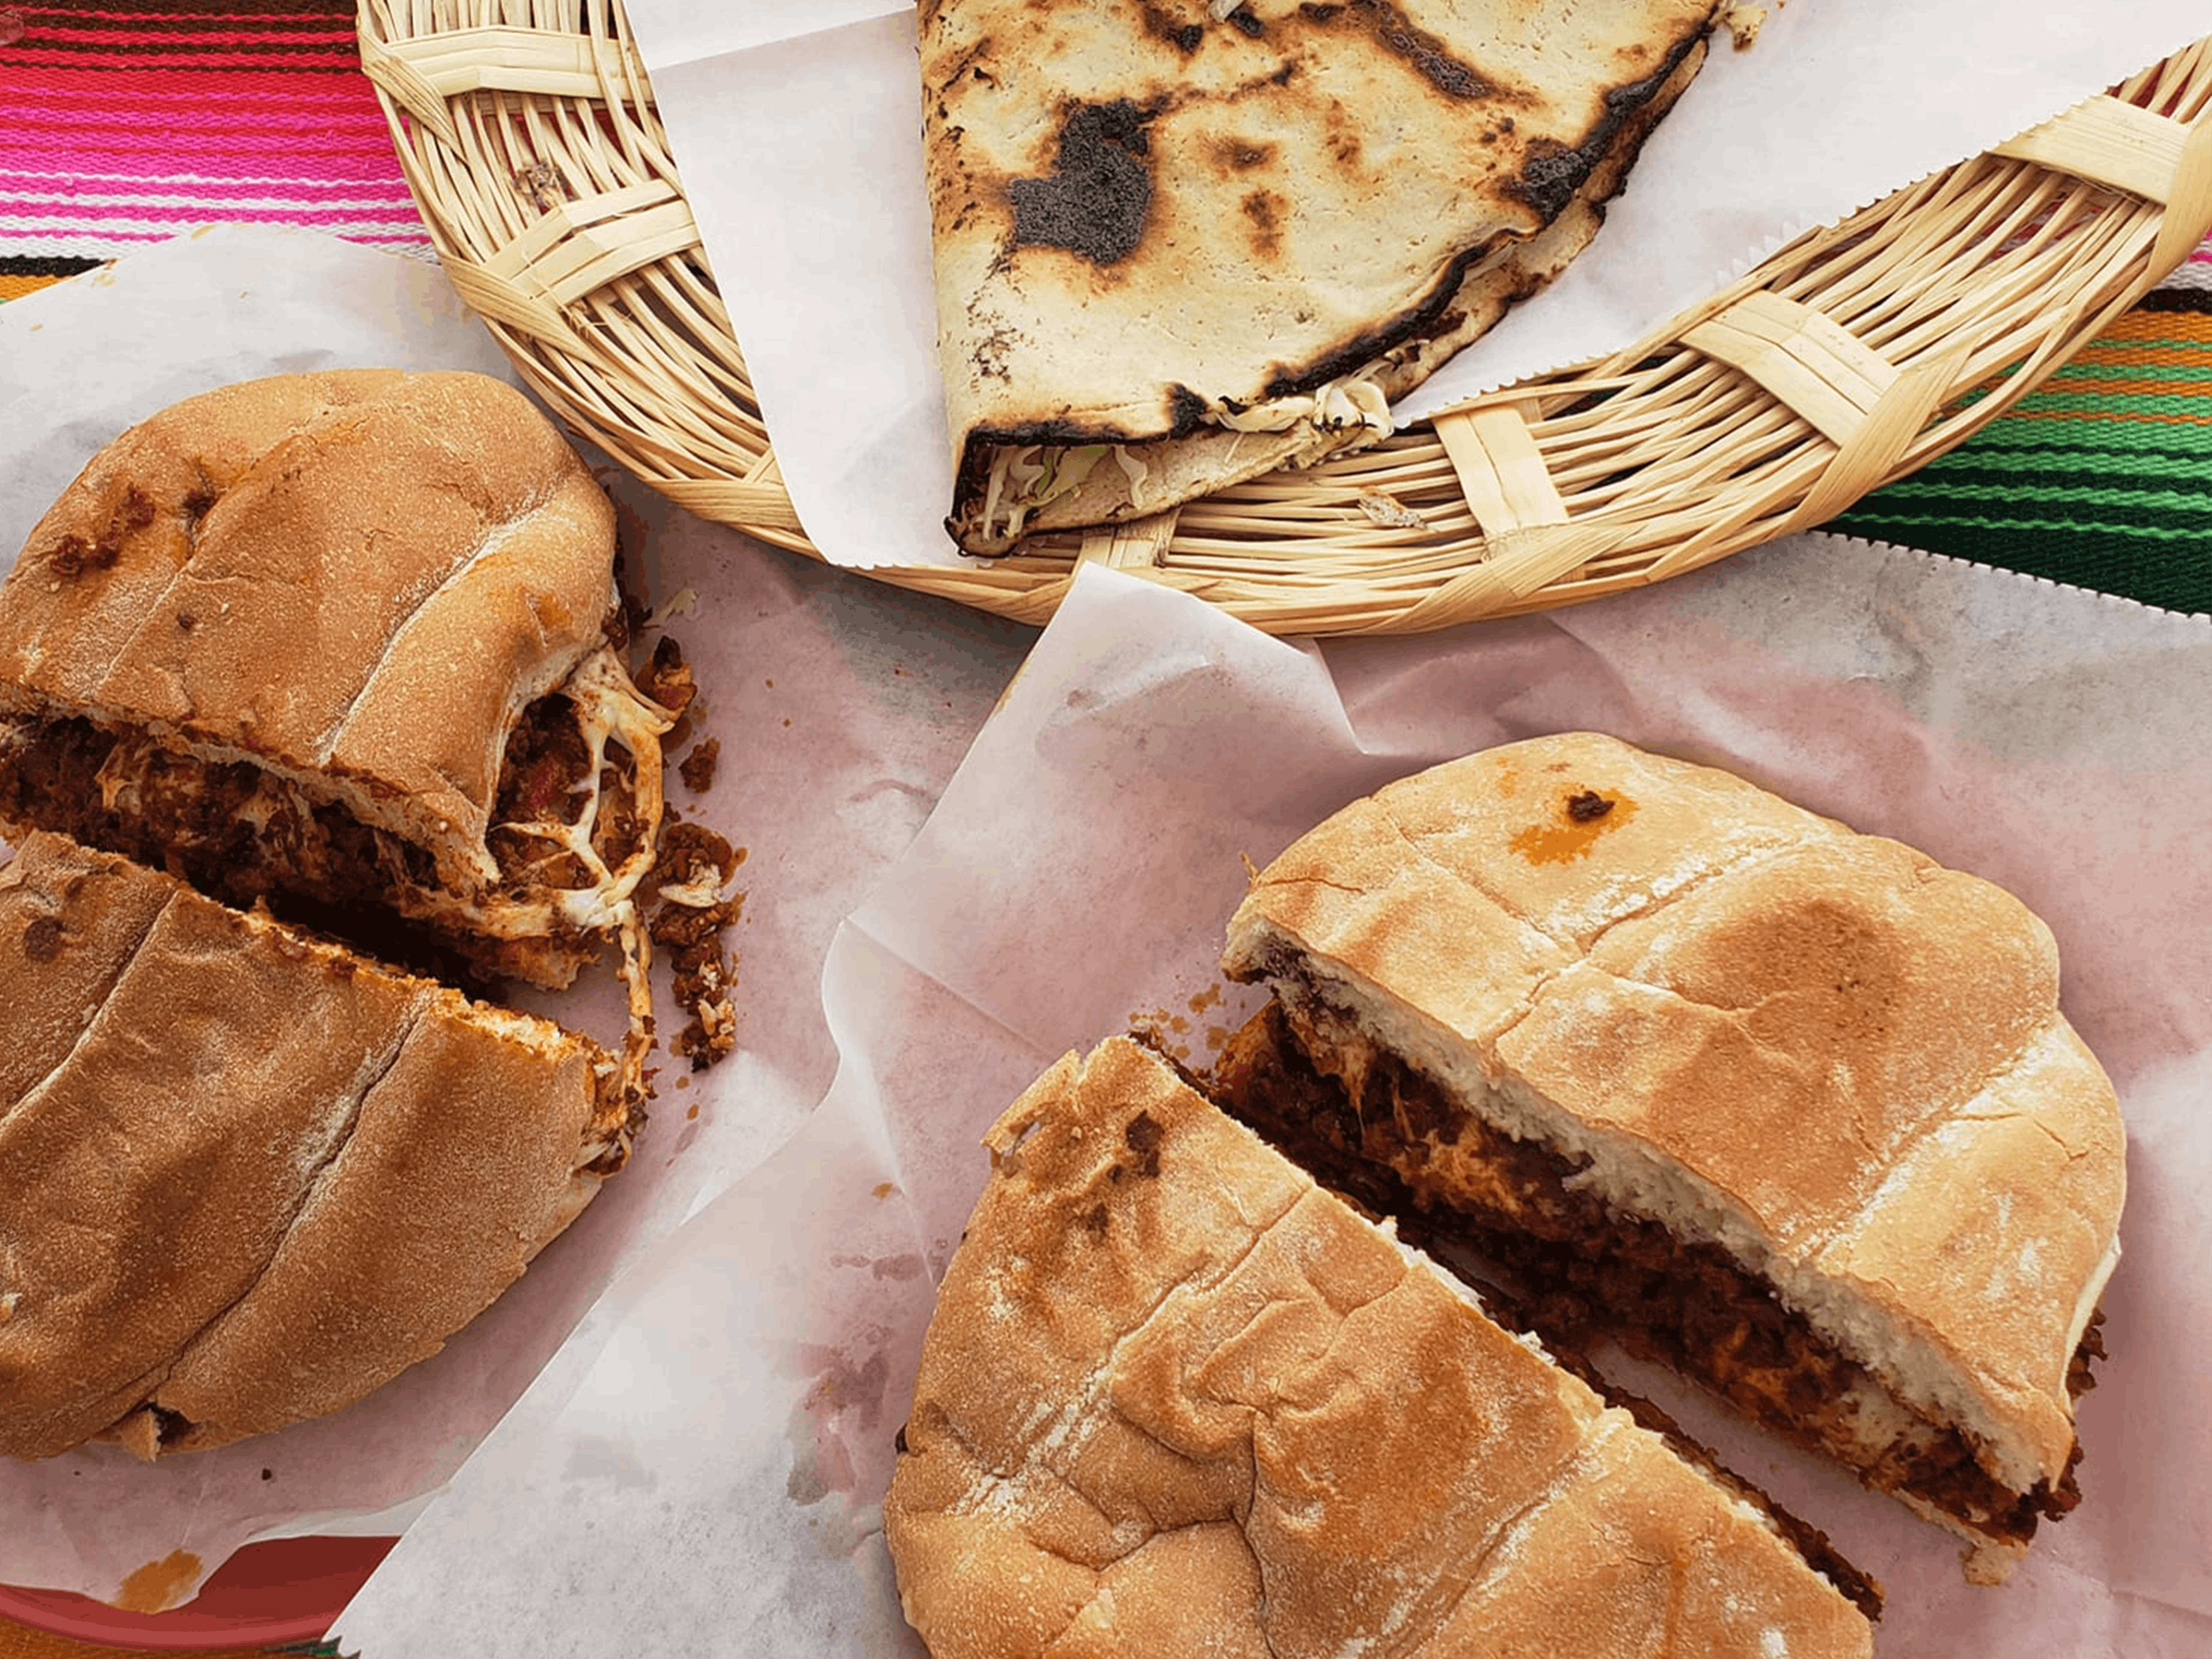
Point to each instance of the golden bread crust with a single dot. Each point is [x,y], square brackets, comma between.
[296,568]
[255,1176]
[1848,1043]
[1177,1398]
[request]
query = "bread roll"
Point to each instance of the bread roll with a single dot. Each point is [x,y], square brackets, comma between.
[1177,1399]
[247,1176]
[1813,1059]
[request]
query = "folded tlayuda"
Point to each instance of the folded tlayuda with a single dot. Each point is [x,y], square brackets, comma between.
[1180,243]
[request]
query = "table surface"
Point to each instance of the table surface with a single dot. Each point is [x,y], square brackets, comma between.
[124,124]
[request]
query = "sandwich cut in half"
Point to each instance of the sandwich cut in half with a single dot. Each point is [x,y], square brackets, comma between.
[247,1176]
[1180,243]
[345,641]
[1791,1109]
[1177,1398]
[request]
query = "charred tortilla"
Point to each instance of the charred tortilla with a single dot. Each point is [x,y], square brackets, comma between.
[1175,250]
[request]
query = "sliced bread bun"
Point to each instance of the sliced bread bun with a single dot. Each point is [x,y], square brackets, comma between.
[1822,1052]
[246,1175]
[1177,1398]
[340,643]
[359,577]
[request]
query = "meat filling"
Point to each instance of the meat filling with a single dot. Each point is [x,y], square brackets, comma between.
[247,836]
[1404,1147]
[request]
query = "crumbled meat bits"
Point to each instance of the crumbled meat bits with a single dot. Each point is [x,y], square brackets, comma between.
[697,768]
[690,922]
[667,678]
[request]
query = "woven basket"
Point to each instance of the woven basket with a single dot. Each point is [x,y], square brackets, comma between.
[1857,354]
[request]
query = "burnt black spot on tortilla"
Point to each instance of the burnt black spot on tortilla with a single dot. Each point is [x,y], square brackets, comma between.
[991,350]
[967,61]
[1186,410]
[1428,55]
[1241,155]
[1551,174]
[1248,23]
[1588,807]
[42,940]
[1164,25]
[1094,204]
[1282,77]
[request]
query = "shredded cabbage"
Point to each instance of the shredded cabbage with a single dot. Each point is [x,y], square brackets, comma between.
[1024,477]
[1337,406]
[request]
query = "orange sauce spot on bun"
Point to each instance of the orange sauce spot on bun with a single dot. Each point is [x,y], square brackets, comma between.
[1577,818]
[160,1585]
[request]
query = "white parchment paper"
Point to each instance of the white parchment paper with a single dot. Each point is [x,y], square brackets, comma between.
[705,1465]
[841,707]
[797,127]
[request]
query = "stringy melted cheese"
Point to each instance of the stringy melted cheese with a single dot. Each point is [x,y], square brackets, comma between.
[610,712]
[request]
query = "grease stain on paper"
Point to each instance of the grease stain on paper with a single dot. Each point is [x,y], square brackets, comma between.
[160,1585]
[594,1457]
[844,1402]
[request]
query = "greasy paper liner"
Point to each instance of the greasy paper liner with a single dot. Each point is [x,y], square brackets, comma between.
[711,1453]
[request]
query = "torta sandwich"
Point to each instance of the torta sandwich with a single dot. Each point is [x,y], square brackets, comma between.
[1790,1108]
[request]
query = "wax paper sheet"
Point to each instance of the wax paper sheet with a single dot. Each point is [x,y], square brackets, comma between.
[709,1462]
[798,130]
[841,707]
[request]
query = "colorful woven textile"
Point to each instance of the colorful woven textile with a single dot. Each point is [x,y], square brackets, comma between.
[2101,477]
[126,121]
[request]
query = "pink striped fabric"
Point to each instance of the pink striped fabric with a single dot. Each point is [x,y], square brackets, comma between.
[125,122]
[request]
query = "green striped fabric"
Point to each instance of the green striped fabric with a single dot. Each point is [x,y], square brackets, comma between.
[2102,476]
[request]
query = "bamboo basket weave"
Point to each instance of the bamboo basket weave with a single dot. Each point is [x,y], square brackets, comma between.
[1860,352]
